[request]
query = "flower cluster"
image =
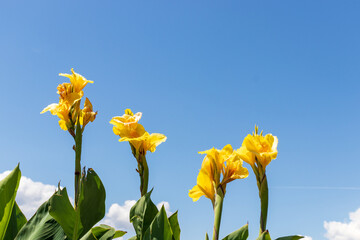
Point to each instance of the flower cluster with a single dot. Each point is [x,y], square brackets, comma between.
[258,149]
[128,128]
[225,162]
[68,108]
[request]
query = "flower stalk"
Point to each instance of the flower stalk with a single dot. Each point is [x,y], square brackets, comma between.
[264,200]
[78,143]
[219,198]
[142,169]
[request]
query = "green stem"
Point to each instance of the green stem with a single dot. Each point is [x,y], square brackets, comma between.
[143,169]
[219,198]
[264,201]
[78,142]
[144,175]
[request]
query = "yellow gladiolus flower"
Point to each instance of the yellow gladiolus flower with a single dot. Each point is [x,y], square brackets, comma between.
[225,162]
[264,148]
[128,128]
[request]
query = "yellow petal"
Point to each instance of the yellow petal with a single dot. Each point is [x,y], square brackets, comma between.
[52,108]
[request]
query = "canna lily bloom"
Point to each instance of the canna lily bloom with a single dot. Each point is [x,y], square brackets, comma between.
[77,81]
[127,125]
[128,128]
[225,162]
[263,148]
[147,142]
[68,108]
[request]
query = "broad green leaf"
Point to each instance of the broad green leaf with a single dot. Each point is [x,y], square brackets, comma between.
[16,222]
[91,207]
[63,212]
[8,189]
[159,228]
[294,237]
[102,232]
[264,236]
[142,214]
[240,234]
[175,227]
[42,226]
[91,201]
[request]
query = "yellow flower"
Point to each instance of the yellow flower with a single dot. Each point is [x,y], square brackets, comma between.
[87,113]
[264,148]
[127,125]
[128,128]
[78,82]
[226,163]
[147,142]
[68,108]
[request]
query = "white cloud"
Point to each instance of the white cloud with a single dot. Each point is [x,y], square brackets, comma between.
[306,238]
[347,230]
[166,206]
[118,215]
[30,194]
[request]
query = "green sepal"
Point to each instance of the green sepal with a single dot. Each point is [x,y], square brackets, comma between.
[293,237]
[240,234]
[159,228]
[174,224]
[264,236]
[142,214]
[8,188]
[206,236]
[42,226]
[17,221]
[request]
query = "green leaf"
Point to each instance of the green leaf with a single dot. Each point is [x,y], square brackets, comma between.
[91,201]
[240,234]
[175,227]
[63,212]
[8,189]
[16,222]
[132,238]
[206,236]
[91,207]
[264,236]
[142,214]
[42,226]
[159,228]
[294,237]
[102,232]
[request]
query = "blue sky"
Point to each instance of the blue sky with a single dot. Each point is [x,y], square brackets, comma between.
[203,73]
